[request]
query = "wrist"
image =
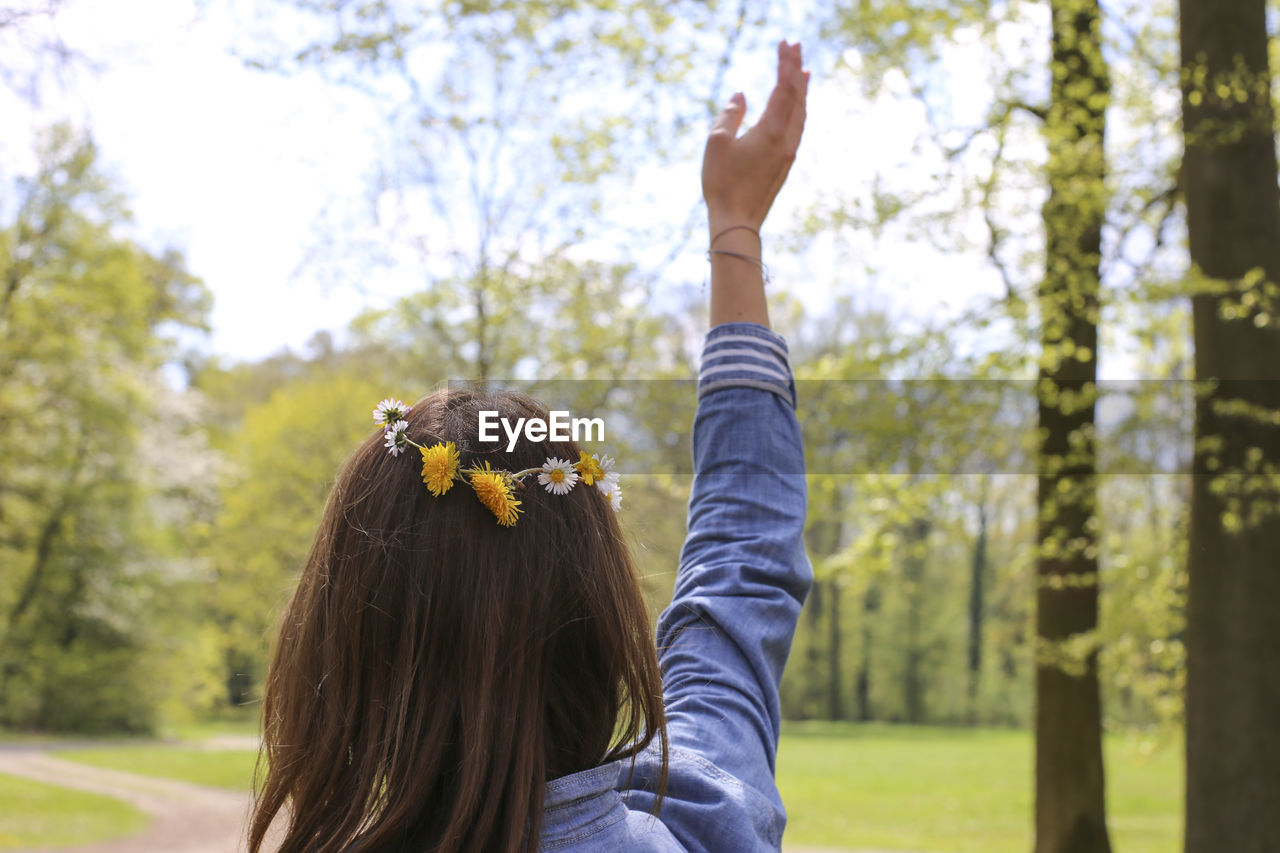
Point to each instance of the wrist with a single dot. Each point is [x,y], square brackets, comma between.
[735,237]
[737,276]
[720,220]
[737,241]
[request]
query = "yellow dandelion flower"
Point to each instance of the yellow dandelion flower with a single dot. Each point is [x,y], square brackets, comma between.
[439,467]
[589,468]
[494,490]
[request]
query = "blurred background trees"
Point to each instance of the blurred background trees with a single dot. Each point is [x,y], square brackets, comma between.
[103,469]
[1001,535]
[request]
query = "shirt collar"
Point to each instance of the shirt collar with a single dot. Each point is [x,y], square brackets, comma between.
[574,801]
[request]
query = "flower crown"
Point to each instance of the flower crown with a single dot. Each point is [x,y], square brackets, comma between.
[494,487]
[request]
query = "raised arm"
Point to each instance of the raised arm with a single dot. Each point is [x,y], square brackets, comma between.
[743,574]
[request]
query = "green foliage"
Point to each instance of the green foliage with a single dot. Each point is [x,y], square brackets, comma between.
[173,554]
[990,180]
[897,452]
[87,319]
[1143,620]
[282,459]
[556,320]
[910,33]
[891,596]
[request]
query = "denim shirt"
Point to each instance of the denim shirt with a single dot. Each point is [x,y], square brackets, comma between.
[725,638]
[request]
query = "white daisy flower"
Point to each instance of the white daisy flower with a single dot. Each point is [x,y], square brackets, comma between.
[607,479]
[396,439]
[558,476]
[615,496]
[607,482]
[389,411]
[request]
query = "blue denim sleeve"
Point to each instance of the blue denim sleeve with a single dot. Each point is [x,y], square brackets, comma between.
[743,574]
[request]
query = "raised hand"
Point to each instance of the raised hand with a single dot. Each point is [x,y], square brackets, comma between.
[742,176]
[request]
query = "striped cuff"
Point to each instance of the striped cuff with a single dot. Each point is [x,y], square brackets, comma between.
[746,355]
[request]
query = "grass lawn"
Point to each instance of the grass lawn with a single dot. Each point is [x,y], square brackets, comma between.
[35,815]
[231,769]
[247,727]
[946,790]
[200,731]
[938,790]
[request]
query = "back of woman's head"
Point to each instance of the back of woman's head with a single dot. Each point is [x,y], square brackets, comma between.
[434,668]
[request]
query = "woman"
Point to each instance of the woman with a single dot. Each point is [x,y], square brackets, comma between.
[467,665]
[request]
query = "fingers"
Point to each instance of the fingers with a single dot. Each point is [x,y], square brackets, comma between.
[730,119]
[797,78]
[788,95]
[783,118]
[799,84]
[795,125]
[790,61]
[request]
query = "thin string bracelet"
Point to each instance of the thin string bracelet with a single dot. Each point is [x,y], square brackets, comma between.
[733,228]
[759,264]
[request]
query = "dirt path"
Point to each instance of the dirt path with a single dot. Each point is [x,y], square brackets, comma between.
[185,818]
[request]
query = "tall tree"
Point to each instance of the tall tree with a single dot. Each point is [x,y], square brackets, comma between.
[977,605]
[86,323]
[1070,806]
[1233,221]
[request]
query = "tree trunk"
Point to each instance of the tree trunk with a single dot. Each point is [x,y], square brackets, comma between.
[862,683]
[977,609]
[813,656]
[1233,221]
[1070,812]
[913,573]
[834,663]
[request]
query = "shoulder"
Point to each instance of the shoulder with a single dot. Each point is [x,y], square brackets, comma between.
[705,808]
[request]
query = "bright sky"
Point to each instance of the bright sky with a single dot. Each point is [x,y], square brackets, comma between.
[235,166]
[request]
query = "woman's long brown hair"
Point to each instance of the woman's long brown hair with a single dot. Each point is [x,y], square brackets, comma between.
[434,669]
